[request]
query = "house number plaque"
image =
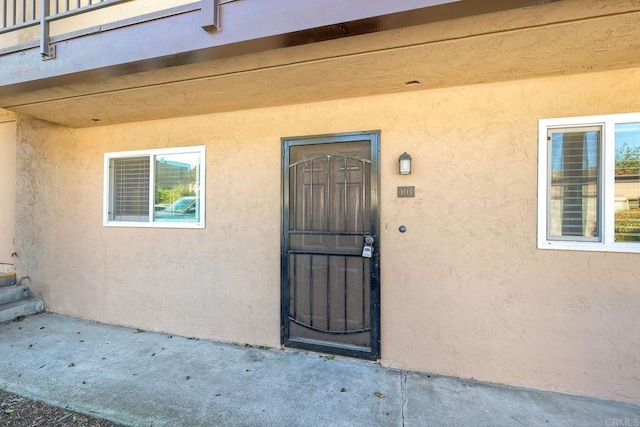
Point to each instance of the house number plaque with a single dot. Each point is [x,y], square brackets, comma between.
[407,191]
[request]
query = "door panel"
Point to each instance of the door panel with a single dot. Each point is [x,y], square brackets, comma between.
[330,292]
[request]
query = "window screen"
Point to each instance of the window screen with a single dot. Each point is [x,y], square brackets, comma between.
[130,189]
[574,165]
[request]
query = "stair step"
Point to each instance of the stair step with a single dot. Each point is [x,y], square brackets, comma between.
[7,279]
[25,307]
[13,293]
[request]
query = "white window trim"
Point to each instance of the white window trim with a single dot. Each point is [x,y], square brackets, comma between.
[607,207]
[150,223]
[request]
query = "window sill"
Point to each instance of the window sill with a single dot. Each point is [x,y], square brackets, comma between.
[131,224]
[590,246]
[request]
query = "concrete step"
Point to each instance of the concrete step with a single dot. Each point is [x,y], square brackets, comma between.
[13,293]
[7,279]
[24,307]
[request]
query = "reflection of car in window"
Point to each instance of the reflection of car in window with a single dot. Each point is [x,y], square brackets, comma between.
[181,209]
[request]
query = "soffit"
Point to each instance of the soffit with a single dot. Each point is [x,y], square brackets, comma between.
[526,43]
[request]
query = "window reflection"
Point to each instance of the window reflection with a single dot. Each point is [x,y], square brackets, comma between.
[627,182]
[176,187]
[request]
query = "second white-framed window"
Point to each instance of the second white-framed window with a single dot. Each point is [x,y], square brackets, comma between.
[589,183]
[155,188]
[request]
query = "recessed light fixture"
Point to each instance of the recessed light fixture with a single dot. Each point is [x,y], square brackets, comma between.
[412,83]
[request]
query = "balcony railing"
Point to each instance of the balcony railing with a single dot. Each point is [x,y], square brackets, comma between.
[20,14]
[17,14]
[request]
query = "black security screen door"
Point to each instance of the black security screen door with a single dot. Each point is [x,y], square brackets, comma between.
[330,281]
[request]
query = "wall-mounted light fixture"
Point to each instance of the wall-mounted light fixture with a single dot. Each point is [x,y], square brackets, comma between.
[405,164]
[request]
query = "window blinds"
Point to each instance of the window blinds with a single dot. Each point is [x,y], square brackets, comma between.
[130,188]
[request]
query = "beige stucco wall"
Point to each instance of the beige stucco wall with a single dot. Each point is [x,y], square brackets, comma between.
[464,290]
[7,189]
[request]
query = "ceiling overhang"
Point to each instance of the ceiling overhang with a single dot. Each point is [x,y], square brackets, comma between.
[287,51]
[179,36]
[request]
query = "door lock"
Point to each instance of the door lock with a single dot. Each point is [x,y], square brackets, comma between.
[367,251]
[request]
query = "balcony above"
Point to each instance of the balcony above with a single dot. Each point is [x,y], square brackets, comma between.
[209,57]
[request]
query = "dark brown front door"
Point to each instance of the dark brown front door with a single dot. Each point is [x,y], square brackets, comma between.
[330,287]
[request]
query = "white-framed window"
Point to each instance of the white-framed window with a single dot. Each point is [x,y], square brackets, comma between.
[589,183]
[155,188]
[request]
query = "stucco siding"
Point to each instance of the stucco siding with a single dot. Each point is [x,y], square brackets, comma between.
[464,291]
[7,190]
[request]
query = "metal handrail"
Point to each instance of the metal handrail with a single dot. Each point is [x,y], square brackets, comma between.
[15,13]
[20,14]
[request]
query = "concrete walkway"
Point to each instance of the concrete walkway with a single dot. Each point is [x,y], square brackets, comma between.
[149,379]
